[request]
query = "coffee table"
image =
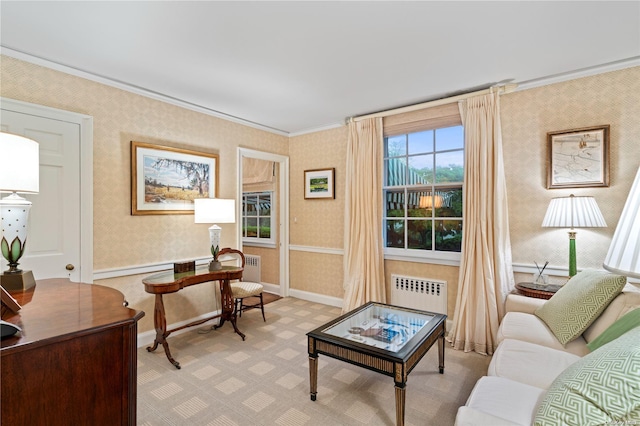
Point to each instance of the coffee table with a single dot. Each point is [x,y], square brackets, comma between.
[390,340]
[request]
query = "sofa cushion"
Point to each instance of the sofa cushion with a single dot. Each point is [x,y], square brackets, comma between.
[529,363]
[628,321]
[579,302]
[530,328]
[625,302]
[509,400]
[601,388]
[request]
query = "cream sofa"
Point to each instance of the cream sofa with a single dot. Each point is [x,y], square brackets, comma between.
[531,366]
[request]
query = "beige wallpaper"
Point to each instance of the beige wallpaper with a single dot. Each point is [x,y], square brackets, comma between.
[612,98]
[120,239]
[320,222]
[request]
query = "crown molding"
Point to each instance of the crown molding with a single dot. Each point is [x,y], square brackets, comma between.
[134,89]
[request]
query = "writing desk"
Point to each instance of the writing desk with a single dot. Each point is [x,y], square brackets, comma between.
[171,282]
[75,360]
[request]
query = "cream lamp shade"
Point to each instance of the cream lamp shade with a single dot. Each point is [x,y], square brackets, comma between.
[19,173]
[623,257]
[19,164]
[573,212]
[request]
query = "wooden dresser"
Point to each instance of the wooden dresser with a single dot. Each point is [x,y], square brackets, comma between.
[74,363]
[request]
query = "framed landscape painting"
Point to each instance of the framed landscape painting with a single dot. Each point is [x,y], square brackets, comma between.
[166,180]
[319,183]
[578,158]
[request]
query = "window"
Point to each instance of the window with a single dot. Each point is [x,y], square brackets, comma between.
[424,173]
[257,218]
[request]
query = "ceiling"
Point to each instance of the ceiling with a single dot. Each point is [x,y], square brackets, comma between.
[294,67]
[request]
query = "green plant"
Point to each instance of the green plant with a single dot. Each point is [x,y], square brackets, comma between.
[214,252]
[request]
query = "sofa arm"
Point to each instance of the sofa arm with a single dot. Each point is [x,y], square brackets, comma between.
[468,416]
[519,303]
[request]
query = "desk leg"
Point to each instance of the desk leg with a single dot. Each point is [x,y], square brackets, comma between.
[400,403]
[228,307]
[160,323]
[313,376]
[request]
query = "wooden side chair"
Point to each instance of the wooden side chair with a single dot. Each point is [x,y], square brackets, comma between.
[242,290]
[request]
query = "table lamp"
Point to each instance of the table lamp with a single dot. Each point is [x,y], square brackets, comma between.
[19,173]
[214,210]
[623,257]
[573,212]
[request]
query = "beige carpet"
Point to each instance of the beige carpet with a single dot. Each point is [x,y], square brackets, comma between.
[265,379]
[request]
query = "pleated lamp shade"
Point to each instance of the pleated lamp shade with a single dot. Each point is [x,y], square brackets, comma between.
[573,212]
[623,257]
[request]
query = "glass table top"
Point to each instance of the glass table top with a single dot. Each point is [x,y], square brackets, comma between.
[380,326]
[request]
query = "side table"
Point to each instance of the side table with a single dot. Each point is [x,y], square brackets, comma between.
[538,291]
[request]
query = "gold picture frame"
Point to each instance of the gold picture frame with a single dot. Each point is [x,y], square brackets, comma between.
[319,183]
[578,158]
[166,180]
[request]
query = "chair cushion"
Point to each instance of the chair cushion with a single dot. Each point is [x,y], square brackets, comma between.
[601,388]
[243,289]
[579,302]
[529,363]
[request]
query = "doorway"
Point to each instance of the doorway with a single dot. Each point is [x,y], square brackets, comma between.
[282,197]
[60,241]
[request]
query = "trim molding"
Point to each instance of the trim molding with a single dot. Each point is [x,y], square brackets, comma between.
[103,274]
[133,89]
[585,72]
[313,249]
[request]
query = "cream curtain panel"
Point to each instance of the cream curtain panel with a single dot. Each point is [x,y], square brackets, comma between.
[363,251]
[486,273]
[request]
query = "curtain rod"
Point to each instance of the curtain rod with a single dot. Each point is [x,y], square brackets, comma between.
[505,88]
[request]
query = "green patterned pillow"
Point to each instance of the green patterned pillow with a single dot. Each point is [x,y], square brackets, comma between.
[579,302]
[601,388]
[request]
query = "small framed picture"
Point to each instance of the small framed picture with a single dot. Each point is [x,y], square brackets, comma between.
[319,183]
[578,158]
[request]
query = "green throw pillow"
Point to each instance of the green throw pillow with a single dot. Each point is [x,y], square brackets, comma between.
[579,302]
[627,322]
[601,388]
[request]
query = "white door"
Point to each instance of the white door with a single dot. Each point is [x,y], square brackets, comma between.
[53,244]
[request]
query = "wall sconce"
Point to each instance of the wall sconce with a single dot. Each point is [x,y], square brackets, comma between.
[214,210]
[19,173]
[573,212]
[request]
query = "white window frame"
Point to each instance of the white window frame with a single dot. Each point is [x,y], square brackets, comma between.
[257,241]
[416,255]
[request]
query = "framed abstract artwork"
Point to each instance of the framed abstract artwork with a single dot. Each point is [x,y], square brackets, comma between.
[166,180]
[578,158]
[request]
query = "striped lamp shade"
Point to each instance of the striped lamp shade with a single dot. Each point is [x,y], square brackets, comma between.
[623,257]
[573,212]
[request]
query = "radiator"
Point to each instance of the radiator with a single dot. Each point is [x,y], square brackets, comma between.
[419,293]
[251,268]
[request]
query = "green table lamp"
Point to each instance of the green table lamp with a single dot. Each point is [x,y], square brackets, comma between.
[573,212]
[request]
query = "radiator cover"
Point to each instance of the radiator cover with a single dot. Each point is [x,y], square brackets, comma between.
[424,294]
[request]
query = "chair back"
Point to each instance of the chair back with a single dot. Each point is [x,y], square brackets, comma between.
[235,254]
